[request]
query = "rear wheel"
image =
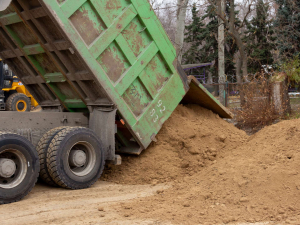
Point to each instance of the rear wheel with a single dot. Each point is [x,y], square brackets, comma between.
[18,102]
[75,158]
[42,149]
[19,167]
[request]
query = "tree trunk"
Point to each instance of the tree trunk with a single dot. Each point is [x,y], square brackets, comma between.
[242,62]
[210,77]
[235,34]
[240,81]
[238,69]
[180,27]
[221,52]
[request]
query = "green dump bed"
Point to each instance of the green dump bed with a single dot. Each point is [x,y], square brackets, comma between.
[75,55]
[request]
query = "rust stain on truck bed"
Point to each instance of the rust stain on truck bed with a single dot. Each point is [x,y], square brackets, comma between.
[88,24]
[113,62]
[113,4]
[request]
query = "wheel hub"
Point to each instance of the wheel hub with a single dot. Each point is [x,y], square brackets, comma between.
[21,106]
[77,158]
[7,168]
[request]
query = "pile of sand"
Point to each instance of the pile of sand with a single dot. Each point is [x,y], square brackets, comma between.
[243,180]
[189,141]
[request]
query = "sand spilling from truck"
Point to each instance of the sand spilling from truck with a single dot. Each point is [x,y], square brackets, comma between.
[189,141]
[247,181]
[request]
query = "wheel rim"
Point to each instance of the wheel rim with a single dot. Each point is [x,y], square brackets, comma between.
[85,161]
[20,172]
[21,106]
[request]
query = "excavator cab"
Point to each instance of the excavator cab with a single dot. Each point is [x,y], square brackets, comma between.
[8,77]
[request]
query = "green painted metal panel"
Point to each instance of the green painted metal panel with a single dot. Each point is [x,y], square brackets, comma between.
[54,77]
[70,7]
[91,50]
[33,49]
[129,56]
[10,18]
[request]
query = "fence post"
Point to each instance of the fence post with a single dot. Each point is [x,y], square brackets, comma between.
[226,94]
[281,100]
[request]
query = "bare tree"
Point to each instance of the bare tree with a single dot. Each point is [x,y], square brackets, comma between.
[234,31]
[221,52]
[166,12]
[180,26]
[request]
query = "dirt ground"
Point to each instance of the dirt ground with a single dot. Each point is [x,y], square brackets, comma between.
[97,205]
[202,170]
[46,205]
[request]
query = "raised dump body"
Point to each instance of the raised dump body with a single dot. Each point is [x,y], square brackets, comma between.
[96,58]
[95,53]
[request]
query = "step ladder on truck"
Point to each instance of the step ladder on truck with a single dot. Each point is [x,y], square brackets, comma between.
[106,77]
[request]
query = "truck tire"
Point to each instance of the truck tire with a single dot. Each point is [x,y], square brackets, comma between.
[18,102]
[42,148]
[19,167]
[75,158]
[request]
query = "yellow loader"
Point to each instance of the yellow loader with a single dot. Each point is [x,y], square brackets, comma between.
[13,94]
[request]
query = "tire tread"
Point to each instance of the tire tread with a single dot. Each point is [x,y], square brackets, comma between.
[42,149]
[9,103]
[25,193]
[54,172]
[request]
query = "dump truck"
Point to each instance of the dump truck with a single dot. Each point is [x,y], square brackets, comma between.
[106,76]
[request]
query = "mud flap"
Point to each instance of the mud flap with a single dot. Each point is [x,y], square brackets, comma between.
[199,95]
[102,122]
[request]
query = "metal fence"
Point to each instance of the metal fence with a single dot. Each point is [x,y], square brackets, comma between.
[257,91]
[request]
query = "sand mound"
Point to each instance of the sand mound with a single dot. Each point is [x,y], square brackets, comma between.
[256,181]
[189,141]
